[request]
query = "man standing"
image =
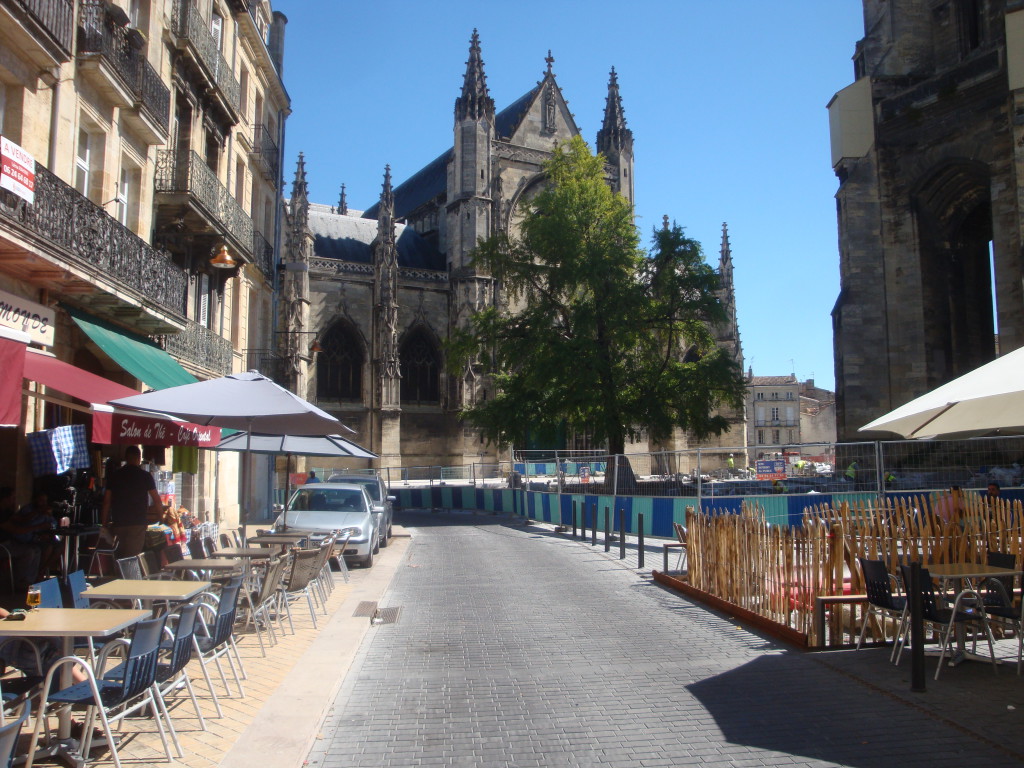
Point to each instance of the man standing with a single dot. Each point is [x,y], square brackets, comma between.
[130,491]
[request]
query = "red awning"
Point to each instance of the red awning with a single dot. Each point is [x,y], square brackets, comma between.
[12,361]
[110,425]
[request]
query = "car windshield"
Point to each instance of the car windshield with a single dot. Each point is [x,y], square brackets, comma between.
[326,500]
[370,484]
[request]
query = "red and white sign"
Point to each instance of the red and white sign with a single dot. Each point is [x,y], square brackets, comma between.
[17,170]
[117,428]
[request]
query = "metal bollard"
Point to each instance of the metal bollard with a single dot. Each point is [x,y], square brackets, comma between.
[622,534]
[574,518]
[917,683]
[607,531]
[640,540]
[593,526]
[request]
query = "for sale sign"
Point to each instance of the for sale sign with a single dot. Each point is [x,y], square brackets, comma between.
[17,170]
[771,469]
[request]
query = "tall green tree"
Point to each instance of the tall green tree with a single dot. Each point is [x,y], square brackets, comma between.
[595,333]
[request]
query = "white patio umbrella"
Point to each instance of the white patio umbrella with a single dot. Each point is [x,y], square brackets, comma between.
[987,400]
[245,401]
[294,445]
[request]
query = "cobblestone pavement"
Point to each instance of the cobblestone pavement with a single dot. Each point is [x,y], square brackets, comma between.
[515,647]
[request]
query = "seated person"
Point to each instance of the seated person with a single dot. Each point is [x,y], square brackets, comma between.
[31,548]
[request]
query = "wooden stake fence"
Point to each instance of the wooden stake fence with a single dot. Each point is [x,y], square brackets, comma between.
[778,572]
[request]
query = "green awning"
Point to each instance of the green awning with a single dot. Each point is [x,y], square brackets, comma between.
[136,354]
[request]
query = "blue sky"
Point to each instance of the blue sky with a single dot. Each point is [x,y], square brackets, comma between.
[726,101]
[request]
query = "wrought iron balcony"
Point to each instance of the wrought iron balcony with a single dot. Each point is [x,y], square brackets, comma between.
[105,45]
[51,21]
[185,173]
[200,346]
[193,32]
[266,154]
[268,362]
[84,239]
[263,254]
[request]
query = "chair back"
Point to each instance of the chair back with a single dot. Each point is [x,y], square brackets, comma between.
[225,541]
[150,560]
[226,608]
[209,545]
[1003,560]
[272,579]
[10,732]
[877,584]
[49,593]
[303,568]
[196,548]
[130,567]
[173,553]
[237,538]
[139,666]
[182,646]
[929,604]
[77,585]
[680,530]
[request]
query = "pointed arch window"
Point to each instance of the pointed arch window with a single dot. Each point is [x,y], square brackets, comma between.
[421,369]
[339,366]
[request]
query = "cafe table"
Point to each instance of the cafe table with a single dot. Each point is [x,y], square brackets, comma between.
[969,574]
[147,591]
[201,565]
[253,553]
[65,624]
[275,539]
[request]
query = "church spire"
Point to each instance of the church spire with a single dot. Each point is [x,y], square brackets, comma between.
[386,210]
[475,103]
[343,202]
[614,136]
[725,255]
[300,194]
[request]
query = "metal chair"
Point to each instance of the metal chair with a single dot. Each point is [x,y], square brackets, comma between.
[49,593]
[304,563]
[112,700]
[879,583]
[173,674]
[945,620]
[264,603]
[10,732]
[215,637]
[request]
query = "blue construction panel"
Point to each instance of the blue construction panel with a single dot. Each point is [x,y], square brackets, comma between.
[723,505]
[498,497]
[565,507]
[662,517]
[547,507]
[624,510]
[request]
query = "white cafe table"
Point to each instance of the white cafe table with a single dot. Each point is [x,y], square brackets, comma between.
[200,564]
[67,624]
[147,591]
[253,553]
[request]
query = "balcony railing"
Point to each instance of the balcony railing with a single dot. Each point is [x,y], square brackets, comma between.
[88,236]
[190,25]
[265,151]
[200,346]
[185,173]
[98,34]
[776,423]
[268,362]
[55,17]
[263,254]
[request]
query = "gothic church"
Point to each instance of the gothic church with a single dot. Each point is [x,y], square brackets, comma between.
[380,291]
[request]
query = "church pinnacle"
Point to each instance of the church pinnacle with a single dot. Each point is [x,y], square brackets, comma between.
[386,211]
[475,102]
[614,136]
[343,202]
[300,191]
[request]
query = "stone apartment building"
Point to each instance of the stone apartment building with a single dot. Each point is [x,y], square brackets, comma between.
[783,412]
[381,290]
[148,244]
[928,148]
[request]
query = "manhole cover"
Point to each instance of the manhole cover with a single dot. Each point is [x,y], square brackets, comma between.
[366,608]
[388,615]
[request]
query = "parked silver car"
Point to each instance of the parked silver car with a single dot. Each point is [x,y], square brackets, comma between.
[324,508]
[383,505]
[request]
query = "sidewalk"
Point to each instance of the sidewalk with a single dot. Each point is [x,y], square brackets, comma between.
[286,694]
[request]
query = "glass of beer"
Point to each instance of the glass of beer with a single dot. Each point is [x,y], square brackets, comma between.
[33,598]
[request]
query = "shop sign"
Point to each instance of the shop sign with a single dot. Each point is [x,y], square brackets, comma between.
[771,469]
[28,317]
[17,170]
[116,428]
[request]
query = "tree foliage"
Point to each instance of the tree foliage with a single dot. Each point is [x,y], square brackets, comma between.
[594,333]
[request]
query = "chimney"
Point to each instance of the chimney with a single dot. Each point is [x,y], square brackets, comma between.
[275,41]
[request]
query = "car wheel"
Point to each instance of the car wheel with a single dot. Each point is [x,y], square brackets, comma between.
[384,538]
[376,546]
[368,560]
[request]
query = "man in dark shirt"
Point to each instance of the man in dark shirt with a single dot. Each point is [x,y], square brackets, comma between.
[130,491]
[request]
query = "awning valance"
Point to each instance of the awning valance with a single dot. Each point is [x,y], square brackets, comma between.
[12,361]
[110,425]
[137,355]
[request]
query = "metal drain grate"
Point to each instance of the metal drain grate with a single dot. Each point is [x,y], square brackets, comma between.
[366,608]
[388,615]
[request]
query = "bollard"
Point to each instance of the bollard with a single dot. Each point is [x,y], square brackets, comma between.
[917,683]
[640,540]
[607,532]
[574,518]
[593,525]
[622,534]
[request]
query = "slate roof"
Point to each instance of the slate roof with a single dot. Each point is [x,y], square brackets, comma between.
[771,381]
[432,180]
[348,238]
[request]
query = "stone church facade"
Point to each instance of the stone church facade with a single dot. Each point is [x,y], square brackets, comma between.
[381,290]
[928,147]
